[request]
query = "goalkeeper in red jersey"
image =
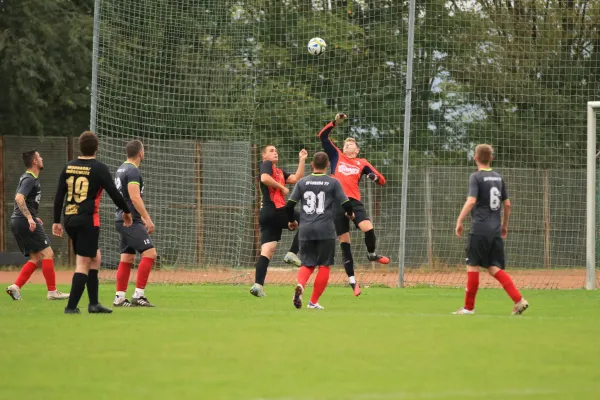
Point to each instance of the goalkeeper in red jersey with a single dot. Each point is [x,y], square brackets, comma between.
[349,169]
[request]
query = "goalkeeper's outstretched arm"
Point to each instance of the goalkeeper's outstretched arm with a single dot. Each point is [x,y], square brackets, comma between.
[331,149]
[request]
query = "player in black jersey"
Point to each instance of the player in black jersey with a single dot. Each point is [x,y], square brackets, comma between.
[136,238]
[28,230]
[318,194]
[487,195]
[82,181]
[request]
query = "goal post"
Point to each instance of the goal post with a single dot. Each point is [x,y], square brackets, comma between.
[590,259]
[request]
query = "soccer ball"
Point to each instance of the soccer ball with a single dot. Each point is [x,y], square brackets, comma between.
[316,46]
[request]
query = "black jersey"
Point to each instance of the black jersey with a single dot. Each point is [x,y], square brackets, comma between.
[318,193]
[489,189]
[128,173]
[82,182]
[29,186]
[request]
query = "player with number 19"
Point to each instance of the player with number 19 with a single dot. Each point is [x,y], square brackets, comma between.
[485,248]
[80,187]
[317,194]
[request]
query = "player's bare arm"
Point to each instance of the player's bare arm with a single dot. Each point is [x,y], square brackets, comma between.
[109,185]
[20,200]
[469,204]
[505,216]
[292,179]
[289,208]
[270,182]
[138,203]
[59,198]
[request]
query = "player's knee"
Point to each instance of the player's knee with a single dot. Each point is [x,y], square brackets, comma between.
[83,264]
[150,253]
[268,249]
[365,225]
[344,237]
[47,254]
[127,258]
[493,270]
[96,261]
[35,257]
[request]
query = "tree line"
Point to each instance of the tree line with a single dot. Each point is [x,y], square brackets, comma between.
[514,73]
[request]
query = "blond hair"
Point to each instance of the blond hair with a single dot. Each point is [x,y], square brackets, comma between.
[351,139]
[484,153]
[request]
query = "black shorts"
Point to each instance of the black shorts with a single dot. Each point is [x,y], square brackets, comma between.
[29,242]
[133,239]
[272,222]
[85,237]
[314,253]
[485,251]
[342,223]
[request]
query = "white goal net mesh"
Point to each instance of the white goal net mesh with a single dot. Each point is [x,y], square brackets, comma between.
[206,84]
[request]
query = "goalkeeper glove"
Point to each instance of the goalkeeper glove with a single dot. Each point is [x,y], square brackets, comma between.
[373,177]
[339,118]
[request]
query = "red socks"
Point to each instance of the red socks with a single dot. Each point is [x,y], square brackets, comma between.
[471,291]
[508,285]
[49,274]
[144,272]
[320,281]
[320,284]
[123,273]
[26,272]
[303,274]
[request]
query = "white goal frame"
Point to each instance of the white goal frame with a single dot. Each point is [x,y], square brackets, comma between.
[590,242]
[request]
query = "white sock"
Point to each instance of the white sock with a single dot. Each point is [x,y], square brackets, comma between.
[372,254]
[120,295]
[138,293]
[352,279]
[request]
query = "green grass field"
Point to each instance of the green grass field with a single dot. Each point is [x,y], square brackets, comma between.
[218,342]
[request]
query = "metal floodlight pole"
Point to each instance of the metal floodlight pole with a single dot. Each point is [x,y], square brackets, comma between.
[406,147]
[95,54]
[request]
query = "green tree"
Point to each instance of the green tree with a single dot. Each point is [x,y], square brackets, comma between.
[45,66]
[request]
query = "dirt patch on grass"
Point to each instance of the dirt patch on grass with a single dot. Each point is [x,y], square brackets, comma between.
[534,279]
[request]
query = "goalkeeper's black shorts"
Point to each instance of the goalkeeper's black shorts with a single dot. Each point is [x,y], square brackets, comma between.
[342,223]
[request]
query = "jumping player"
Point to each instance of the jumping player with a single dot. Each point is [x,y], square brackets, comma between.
[348,169]
[82,181]
[136,238]
[485,248]
[317,193]
[273,218]
[28,230]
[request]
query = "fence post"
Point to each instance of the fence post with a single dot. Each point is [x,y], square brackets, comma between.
[199,214]
[546,218]
[70,251]
[429,216]
[255,179]
[2,225]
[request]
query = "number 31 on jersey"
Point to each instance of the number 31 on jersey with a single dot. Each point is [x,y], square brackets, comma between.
[314,203]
